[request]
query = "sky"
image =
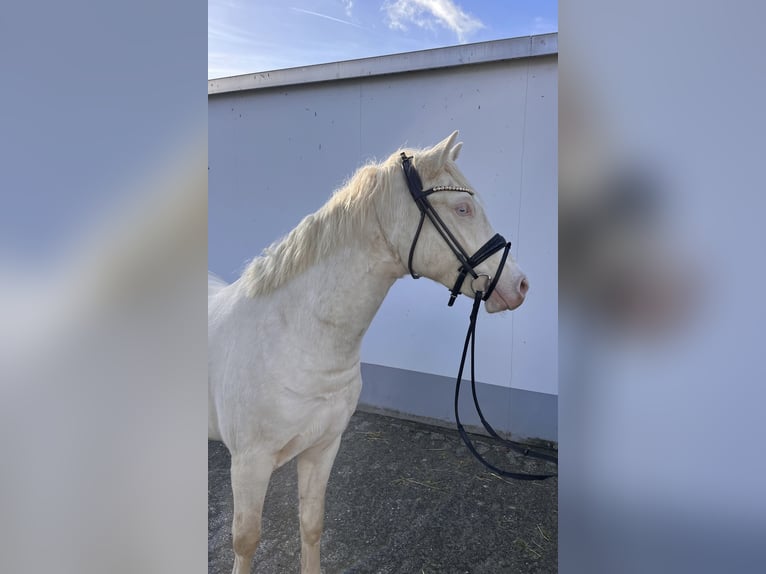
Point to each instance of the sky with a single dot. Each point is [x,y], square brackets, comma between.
[247,36]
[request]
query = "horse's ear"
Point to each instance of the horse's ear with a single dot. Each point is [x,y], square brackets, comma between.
[443,151]
[455,151]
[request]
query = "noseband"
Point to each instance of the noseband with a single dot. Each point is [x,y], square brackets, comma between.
[467,263]
[481,293]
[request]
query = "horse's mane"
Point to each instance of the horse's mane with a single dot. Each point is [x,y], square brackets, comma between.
[338,222]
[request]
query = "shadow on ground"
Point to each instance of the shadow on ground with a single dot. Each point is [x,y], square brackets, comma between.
[403,497]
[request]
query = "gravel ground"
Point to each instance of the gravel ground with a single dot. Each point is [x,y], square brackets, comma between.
[403,497]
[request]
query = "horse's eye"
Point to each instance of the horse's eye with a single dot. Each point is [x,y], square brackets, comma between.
[463,209]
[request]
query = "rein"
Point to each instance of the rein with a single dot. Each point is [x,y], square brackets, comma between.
[467,265]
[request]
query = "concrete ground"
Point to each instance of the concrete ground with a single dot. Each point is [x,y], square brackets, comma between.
[403,497]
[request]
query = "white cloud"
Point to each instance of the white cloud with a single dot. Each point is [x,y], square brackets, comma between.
[348,5]
[428,13]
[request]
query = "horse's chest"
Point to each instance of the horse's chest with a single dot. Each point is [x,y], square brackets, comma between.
[317,420]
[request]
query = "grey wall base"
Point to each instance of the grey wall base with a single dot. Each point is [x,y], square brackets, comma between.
[429,398]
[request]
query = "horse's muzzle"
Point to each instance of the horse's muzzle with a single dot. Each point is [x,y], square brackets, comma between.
[507,297]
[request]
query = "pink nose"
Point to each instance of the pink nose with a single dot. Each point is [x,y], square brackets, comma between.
[523,286]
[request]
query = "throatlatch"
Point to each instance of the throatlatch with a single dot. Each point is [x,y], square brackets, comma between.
[467,267]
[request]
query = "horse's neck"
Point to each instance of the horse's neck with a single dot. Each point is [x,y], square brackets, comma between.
[329,307]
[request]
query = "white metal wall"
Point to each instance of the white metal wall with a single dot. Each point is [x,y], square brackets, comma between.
[276,154]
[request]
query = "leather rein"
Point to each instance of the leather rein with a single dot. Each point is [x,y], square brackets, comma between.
[481,293]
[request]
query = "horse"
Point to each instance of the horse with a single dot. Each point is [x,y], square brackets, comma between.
[284,339]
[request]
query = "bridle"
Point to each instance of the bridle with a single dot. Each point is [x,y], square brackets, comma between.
[467,263]
[481,293]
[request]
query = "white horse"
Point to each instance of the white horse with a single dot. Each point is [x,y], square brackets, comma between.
[284,339]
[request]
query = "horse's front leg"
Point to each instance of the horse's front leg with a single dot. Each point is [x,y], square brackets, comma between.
[314,465]
[249,480]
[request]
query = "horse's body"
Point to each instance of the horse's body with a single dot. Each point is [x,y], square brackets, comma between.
[285,338]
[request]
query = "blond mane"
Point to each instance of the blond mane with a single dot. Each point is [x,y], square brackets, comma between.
[338,222]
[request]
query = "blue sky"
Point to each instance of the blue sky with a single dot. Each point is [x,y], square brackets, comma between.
[246,36]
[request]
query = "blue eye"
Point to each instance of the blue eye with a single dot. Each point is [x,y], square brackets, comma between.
[463,209]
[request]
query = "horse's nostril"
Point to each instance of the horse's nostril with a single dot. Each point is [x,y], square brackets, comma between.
[524,286]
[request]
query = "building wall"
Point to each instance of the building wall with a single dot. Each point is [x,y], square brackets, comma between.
[277,152]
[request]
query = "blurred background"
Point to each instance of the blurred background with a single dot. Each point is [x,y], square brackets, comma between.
[103,232]
[660,318]
[103,259]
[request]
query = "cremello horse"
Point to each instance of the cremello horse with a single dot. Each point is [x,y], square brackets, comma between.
[284,339]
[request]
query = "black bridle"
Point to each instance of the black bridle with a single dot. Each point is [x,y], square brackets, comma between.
[467,263]
[467,267]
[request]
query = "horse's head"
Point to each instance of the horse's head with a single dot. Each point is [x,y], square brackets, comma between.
[464,217]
